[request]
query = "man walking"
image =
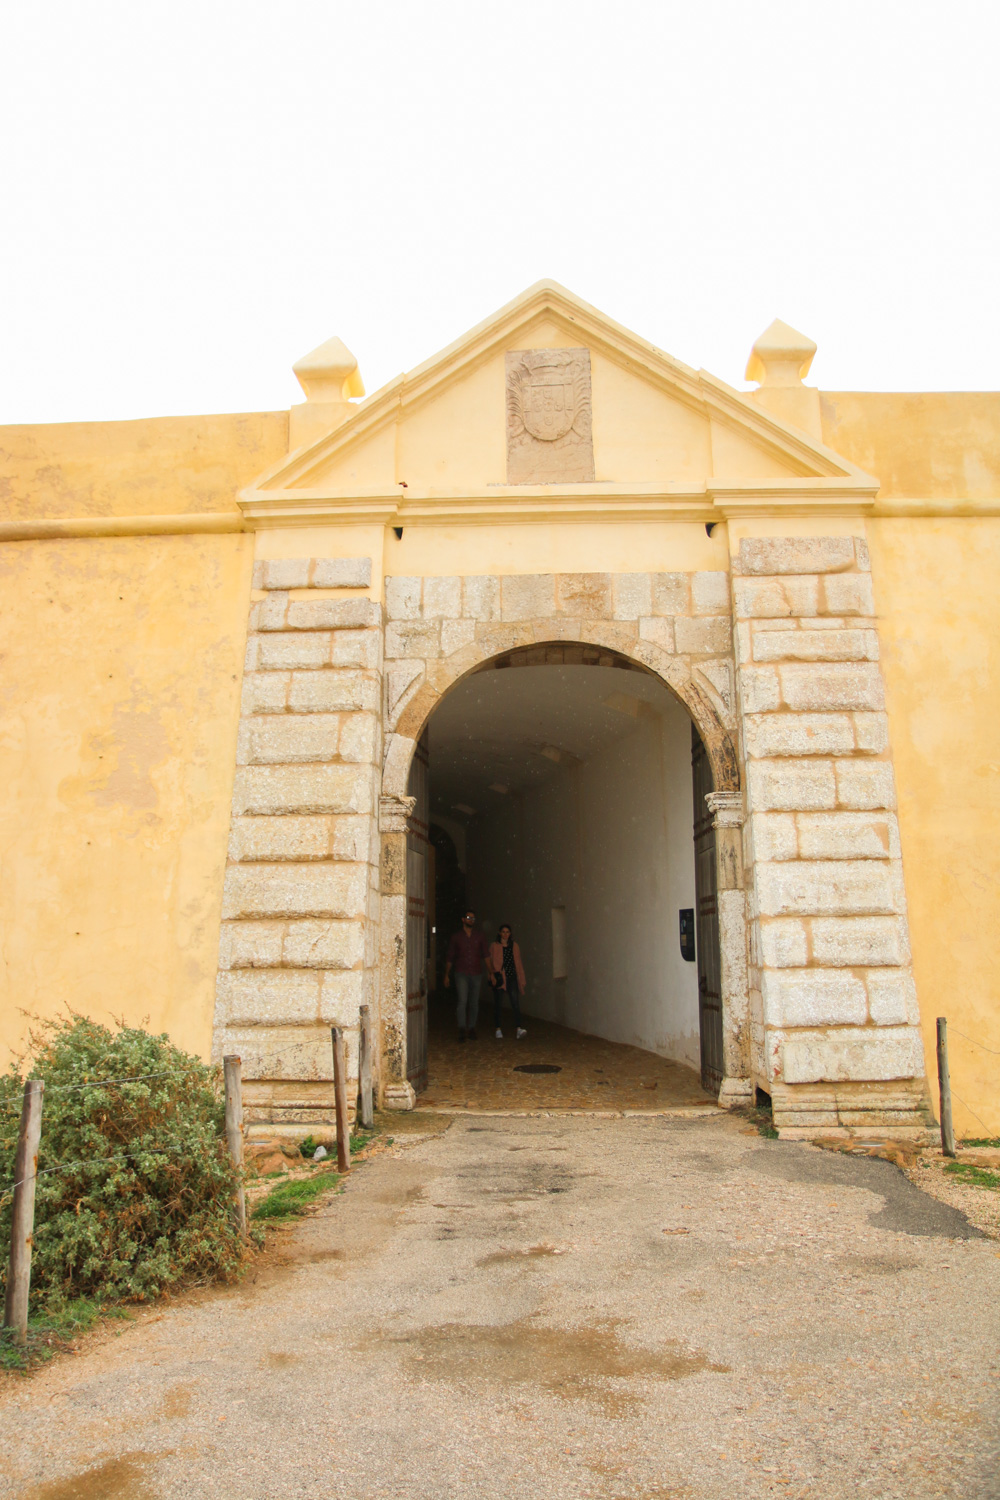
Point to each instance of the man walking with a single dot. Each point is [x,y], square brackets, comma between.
[468,955]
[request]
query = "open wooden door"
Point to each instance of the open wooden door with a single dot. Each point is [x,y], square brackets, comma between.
[418,851]
[706,922]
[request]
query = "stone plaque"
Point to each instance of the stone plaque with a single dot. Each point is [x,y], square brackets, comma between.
[549,427]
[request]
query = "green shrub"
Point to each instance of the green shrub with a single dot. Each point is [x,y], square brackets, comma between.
[308,1145]
[135,1187]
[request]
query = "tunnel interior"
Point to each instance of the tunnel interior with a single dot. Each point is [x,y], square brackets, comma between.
[555,794]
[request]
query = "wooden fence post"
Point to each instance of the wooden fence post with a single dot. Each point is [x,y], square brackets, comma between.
[22,1228]
[944,1084]
[340,1096]
[232,1070]
[365,1117]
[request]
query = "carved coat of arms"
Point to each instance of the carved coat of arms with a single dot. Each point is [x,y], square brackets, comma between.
[549,416]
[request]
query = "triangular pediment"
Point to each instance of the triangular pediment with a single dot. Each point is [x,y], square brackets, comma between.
[437,437]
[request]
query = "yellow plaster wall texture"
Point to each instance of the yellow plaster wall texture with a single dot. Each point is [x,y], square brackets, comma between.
[120,668]
[936,592]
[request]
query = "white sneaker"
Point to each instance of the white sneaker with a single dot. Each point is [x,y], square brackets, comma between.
[499,1035]
[521,1032]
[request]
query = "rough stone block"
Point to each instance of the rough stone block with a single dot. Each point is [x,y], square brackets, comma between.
[356,648]
[775,598]
[251,656]
[784,943]
[355,837]
[288,650]
[788,785]
[333,614]
[282,739]
[892,997]
[798,734]
[718,675]
[402,598]
[708,636]
[289,837]
[760,690]
[710,594]
[341,998]
[855,1055]
[527,596]
[342,573]
[849,594]
[815,645]
[406,639]
[865,784]
[250,945]
[658,630]
[265,692]
[818,887]
[481,598]
[846,835]
[283,573]
[344,691]
[585,596]
[798,554]
[359,738]
[455,634]
[270,613]
[302,789]
[826,686]
[871,733]
[399,676]
[442,598]
[323,944]
[290,890]
[262,997]
[813,997]
[632,595]
[671,593]
[859,942]
[773,836]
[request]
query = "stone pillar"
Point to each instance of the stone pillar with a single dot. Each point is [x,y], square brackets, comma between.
[394,810]
[834,1021]
[297,950]
[727,820]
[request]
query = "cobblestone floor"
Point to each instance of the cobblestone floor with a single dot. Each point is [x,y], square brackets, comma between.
[594,1074]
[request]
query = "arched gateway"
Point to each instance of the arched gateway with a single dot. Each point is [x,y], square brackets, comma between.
[552,483]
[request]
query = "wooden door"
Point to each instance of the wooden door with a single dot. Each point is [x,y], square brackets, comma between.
[706,922]
[417,862]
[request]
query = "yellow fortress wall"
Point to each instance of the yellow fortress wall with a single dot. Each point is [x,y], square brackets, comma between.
[122,661]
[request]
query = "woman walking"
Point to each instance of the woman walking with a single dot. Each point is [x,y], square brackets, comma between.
[507,973]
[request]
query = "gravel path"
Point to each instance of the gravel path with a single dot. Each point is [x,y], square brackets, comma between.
[636,1309]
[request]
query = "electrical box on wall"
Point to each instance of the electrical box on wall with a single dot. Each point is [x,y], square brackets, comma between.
[687,933]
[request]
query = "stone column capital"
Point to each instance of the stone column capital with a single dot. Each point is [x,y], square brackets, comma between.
[726,809]
[393,812]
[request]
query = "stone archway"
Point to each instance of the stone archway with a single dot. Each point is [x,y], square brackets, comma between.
[687,646]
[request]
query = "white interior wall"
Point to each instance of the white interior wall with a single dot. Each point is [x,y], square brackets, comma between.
[610,839]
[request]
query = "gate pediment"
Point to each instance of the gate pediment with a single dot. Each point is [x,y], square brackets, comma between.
[550,407]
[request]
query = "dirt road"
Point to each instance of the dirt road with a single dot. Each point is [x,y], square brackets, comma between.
[633,1309]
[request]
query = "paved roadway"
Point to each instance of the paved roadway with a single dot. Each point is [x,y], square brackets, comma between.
[631,1309]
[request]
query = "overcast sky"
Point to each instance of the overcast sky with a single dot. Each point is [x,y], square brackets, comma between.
[195,194]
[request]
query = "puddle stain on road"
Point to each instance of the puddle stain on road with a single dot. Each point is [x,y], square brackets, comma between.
[530,1253]
[122,1478]
[571,1363]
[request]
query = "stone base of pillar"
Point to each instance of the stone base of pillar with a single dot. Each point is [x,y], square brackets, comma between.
[845,1111]
[736,1093]
[399,1096]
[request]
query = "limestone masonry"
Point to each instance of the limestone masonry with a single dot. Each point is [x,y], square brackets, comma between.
[223,650]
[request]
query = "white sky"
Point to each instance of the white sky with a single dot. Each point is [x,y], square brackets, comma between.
[192,195]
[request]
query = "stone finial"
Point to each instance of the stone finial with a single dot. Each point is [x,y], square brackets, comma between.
[329,375]
[780,357]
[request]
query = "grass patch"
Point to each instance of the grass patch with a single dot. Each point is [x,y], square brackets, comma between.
[973,1176]
[993,1140]
[290,1199]
[52,1329]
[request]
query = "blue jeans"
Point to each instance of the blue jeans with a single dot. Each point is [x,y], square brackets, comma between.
[467,987]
